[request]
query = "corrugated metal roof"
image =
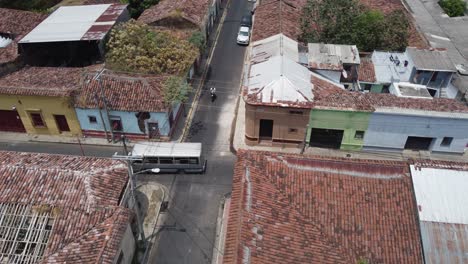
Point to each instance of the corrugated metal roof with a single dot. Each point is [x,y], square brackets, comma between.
[444,243]
[280,80]
[441,194]
[167,149]
[73,23]
[441,197]
[390,66]
[431,60]
[274,46]
[331,56]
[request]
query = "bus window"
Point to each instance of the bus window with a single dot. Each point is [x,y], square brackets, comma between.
[151,160]
[181,160]
[166,161]
[193,160]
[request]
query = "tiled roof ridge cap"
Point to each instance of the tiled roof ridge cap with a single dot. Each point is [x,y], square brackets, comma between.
[323,234]
[90,229]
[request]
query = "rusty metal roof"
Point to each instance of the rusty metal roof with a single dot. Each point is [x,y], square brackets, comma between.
[75,23]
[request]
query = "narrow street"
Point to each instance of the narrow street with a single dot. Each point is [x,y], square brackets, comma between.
[195,199]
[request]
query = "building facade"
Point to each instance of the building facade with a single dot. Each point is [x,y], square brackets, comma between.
[39,101]
[397,130]
[337,129]
[125,105]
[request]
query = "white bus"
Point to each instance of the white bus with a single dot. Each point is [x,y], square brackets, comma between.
[168,157]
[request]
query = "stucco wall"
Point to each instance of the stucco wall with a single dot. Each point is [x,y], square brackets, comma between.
[282,122]
[392,130]
[127,247]
[48,107]
[348,121]
[129,121]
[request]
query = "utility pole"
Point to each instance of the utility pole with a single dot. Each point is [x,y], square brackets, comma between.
[97,77]
[131,177]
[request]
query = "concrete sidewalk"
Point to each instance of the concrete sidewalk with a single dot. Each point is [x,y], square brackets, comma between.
[23,137]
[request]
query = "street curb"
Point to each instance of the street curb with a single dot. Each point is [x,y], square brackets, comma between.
[69,143]
[196,99]
[236,111]
[220,225]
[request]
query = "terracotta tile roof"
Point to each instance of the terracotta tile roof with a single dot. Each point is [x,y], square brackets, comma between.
[387,6]
[42,81]
[124,92]
[191,10]
[296,209]
[366,71]
[85,194]
[346,100]
[273,17]
[18,23]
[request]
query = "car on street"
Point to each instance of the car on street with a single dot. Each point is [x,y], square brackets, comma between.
[243,37]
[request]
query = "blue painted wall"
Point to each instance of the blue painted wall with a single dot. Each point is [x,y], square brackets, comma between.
[390,131]
[129,120]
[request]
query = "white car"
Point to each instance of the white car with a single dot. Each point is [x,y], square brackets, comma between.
[243,37]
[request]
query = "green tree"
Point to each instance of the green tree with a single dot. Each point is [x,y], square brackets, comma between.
[329,21]
[198,40]
[135,47]
[396,33]
[368,28]
[453,8]
[175,90]
[136,7]
[348,22]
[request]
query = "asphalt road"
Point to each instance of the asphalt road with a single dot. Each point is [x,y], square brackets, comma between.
[195,199]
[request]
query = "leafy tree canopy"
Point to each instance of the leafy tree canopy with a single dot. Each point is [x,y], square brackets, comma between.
[453,8]
[134,47]
[175,89]
[136,7]
[198,40]
[348,22]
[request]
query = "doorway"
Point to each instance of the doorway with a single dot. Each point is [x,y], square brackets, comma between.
[153,130]
[418,143]
[326,138]
[62,123]
[10,121]
[266,129]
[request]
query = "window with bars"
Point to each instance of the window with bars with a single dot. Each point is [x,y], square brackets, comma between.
[37,120]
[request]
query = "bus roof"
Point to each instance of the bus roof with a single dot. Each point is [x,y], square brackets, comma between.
[166,149]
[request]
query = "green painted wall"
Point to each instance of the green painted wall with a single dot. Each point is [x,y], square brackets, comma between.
[349,121]
[376,88]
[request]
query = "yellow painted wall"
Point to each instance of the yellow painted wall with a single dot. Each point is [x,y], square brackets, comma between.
[48,106]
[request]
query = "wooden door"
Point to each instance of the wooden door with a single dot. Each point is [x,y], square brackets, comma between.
[10,121]
[153,130]
[62,123]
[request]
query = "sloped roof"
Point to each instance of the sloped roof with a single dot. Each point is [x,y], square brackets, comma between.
[357,101]
[123,92]
[431,59]
[83,194]
[332,56]
[75,23]
[366,72]
[18,23]
[279,81]
[42,81]
[273,17]
[276,45]
[439,191]
[191,10]
[297,209]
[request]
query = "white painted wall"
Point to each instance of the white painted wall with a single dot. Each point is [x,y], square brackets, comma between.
[391,130]
[127,246]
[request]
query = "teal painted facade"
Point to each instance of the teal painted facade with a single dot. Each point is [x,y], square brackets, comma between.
[348,121]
